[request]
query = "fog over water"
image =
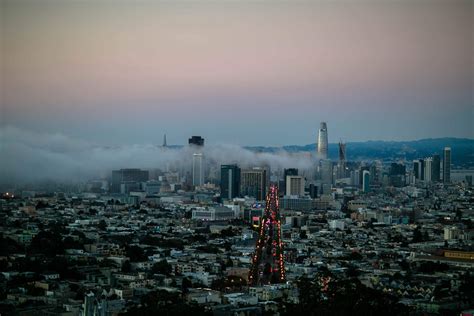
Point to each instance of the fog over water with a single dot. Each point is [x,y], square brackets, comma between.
[29,156]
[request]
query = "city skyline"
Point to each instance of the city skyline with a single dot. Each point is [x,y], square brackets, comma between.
[236,157]
[130,73]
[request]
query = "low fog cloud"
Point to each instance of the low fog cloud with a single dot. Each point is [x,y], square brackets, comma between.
[28,156]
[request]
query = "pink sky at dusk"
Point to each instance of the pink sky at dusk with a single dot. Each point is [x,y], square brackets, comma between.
[125,71]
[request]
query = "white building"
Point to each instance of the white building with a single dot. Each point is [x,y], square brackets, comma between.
[428,171]
[337,224]
[295,185]
[198,169]
[213,213]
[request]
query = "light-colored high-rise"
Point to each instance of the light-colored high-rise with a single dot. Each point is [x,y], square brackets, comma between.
[198,171]
[428,169]
[295,185]
[323,141]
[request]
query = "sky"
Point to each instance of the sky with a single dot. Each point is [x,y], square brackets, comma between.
[237,72]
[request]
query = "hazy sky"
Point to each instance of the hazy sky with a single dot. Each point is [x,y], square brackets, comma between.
[249,73]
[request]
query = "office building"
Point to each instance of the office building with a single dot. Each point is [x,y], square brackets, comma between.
[366,181]
[218,213]
[313,191]
[198,169]
[326,171]
[341,167]
[152,187]
[253,183]
[397,174]
[230,181]
[196,141]
[355,178]
[323,141]
[416,169]
[197,172]
[286,173]
[127,176]
[447,165]
[428,162]
[295,185]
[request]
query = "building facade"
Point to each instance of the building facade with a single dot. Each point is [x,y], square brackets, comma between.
[230,181]
[253,183]
[323,141]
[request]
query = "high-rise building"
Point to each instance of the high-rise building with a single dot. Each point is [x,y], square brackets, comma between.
[198,170]
[421,169]
[253,183]
[323,141]
[341,167]
[416,169]
[267,265]
[313,191]
[286,173]
[295,185]
[436,169]
[428,169]
[357,179]
[396,175]
[230,181]
[326,171]
[366,181]
[127,176]
[196,141]
[447,165]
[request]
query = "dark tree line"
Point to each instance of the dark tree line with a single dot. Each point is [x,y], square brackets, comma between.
[326,294]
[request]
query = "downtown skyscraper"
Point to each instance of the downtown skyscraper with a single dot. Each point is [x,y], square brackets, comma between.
[323,141]
[230,181]
[197,143]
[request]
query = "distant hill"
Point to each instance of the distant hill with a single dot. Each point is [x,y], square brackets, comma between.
[462,149]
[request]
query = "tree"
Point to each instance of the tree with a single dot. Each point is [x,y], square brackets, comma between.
[162,267]
[47,242]
[417,235]
[136,254]
[102,225]
[355,256]
[185,285]
[126,267]
[227,232]
[466,288]
[404,265]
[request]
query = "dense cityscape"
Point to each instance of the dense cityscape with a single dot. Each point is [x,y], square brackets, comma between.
[236,157]
[392,237]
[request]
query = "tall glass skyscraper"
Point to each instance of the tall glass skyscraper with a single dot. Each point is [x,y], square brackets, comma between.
[230,181]
[323,141]
[366,181]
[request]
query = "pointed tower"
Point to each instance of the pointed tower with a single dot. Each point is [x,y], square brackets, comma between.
[267,265]
[323,141]
[164,141]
